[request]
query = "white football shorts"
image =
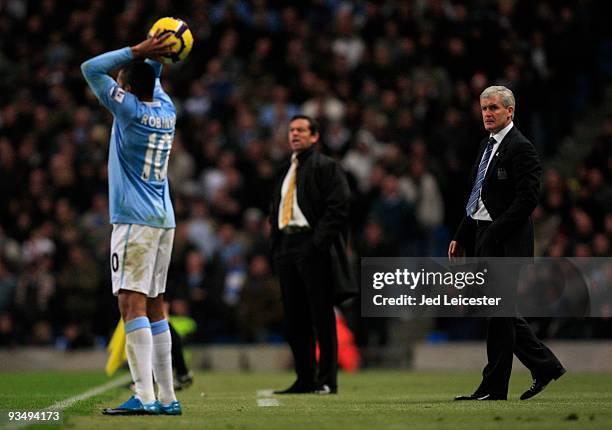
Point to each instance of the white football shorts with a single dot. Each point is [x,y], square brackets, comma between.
[140,257]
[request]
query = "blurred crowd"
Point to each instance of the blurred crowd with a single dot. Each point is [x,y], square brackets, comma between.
[395,85]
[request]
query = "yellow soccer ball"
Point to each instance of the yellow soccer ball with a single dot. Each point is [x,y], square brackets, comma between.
[181,35]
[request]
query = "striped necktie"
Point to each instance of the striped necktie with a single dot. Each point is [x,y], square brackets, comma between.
[287,211]
[482,170]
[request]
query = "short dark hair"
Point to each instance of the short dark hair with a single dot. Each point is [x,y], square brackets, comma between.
[313,124]
[141,77]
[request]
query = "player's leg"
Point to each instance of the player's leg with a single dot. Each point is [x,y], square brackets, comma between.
[162,350]
[131,279]
[162,339]
[138,342]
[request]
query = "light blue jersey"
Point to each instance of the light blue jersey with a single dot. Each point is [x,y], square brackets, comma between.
[140,144]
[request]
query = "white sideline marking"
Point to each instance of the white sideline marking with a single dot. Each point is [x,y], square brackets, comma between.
[267,402]
[266,399]
[63,404]
[66,403]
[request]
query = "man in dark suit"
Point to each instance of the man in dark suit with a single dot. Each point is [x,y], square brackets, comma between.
[505,184]
[309,215]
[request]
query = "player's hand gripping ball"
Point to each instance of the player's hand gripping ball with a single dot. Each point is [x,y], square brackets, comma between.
[181,36]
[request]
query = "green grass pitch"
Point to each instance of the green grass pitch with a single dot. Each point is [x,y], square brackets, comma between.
[367,400]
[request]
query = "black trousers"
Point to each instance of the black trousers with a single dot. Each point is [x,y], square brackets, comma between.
[305,278]
[510,335]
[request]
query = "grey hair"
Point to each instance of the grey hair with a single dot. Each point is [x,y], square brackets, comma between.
[507,96]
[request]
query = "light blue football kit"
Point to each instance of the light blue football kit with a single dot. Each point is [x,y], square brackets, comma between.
[139,197]
[140,144]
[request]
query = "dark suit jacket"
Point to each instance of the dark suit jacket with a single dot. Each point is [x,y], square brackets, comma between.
[510,194]
[323,196]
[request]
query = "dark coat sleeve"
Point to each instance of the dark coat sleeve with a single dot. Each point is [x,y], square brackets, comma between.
[465,235]
[335,203]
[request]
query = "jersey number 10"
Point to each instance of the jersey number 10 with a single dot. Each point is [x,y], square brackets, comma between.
[153,166]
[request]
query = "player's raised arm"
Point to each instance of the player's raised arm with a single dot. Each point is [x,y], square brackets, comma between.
[158,92]
[96,70]
[157,66]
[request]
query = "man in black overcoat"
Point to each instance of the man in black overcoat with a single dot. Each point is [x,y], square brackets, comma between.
[505,185]
[309,225]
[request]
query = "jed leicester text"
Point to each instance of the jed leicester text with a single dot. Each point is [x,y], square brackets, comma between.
[439,300]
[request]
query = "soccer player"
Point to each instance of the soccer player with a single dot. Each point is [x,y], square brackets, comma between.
[141,213]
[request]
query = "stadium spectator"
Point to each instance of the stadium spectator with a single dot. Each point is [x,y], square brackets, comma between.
[259,310]
[77,293]
[396,215]
[421,189]
[8,285]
